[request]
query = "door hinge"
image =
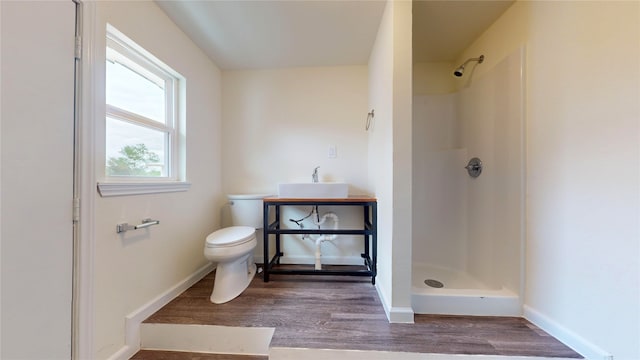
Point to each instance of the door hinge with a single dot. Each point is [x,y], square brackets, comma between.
[78,47]
[76,210]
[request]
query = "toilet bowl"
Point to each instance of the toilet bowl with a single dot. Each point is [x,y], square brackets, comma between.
[231,248]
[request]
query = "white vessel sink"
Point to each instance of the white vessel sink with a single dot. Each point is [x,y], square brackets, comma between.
[330,190]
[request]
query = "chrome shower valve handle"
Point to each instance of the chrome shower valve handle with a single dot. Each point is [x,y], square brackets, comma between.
[474,167]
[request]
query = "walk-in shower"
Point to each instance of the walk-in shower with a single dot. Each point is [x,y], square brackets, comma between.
[468,213]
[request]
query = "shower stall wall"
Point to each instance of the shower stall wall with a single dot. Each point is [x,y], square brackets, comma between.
[469,232]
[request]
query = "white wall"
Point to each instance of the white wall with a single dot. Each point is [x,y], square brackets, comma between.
[278,125]
[134,268]
[37,174]
[433,78]
[390,156]
[402,155]
[582,110]
[381,147]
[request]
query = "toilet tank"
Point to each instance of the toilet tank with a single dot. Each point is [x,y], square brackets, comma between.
[246,209]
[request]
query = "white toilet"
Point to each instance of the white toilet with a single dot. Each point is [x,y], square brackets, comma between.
[232,248]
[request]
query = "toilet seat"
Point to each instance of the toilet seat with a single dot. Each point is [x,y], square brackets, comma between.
[230,236]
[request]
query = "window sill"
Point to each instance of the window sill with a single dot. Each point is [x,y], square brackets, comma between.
[109,189]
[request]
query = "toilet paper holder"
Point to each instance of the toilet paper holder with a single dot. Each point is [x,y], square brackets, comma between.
[124,227]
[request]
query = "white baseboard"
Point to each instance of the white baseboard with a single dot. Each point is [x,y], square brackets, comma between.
[395,314]
[403,315]
[568,337]
[133,320]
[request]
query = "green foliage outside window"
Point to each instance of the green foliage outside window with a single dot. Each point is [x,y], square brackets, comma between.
[136,160]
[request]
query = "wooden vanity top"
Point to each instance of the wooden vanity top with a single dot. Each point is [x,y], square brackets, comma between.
[350,199]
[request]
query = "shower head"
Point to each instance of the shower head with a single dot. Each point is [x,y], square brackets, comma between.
[460,70]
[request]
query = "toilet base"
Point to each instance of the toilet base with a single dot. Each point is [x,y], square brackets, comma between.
[232,279]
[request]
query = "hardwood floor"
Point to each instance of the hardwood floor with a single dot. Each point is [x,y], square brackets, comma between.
[345,313]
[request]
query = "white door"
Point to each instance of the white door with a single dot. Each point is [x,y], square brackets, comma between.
[36,178]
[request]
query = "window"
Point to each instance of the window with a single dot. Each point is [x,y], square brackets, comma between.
[141,124]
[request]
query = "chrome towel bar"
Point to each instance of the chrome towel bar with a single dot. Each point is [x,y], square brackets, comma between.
[123,227]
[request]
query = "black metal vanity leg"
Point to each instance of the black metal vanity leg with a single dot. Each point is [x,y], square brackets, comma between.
[278,252]
[374,241]
[367,224]
[265,239]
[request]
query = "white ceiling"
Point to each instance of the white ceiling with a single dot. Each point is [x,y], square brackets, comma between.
[299,33]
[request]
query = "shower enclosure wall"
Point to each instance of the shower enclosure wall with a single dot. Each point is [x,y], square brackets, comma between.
[468,232]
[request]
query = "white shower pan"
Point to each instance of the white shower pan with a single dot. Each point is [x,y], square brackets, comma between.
[460,294]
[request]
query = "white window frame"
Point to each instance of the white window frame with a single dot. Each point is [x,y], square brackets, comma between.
[138,59]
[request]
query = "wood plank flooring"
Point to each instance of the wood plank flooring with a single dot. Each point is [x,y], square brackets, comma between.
[334,312]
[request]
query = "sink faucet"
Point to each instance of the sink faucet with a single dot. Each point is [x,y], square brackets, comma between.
[314,176]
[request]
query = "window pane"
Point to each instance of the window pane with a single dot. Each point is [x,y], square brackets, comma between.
[134,150]
[131,91]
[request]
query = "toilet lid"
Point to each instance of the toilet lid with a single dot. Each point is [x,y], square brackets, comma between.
[230,236]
